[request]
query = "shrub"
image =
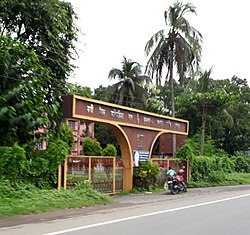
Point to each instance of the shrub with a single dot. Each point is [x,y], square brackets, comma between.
[217,176]
[91,147]
[110,150]
[13,162]
[33,166]
[242,164]
[184,153]
[65,134]
[211,169]
[145,175]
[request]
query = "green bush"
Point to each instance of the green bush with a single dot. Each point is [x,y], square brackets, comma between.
[211,169]
[36,167]
[65,134]
[185,153]
[242,164]
[110,150]
[217,176]
[91,147]
[43,165]
[13,163]
[145,175]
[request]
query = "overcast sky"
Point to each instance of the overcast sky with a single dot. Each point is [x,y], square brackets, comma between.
[112,29]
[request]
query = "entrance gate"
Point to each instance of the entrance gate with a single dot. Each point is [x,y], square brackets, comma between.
[136,131]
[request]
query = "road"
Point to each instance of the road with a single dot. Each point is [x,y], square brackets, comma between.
[221,210]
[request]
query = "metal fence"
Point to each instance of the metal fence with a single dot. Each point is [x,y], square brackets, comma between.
[164,164]
[105,173]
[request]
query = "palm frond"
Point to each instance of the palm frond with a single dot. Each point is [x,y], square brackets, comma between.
[113,73]
[153,41]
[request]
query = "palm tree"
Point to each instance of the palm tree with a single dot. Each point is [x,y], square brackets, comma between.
[129,89]
[178,45]
[203,87]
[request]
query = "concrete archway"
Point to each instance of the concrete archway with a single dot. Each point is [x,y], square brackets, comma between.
[126,155]
[135,130]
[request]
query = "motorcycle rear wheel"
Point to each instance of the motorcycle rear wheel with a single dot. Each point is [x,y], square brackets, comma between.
[174,191]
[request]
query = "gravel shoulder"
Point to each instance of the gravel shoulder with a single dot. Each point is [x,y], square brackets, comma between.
[120,201]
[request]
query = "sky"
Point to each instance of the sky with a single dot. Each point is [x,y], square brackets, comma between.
[112,29]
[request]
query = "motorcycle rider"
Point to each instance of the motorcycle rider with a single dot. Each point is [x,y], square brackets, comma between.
[170,175]
[171,172]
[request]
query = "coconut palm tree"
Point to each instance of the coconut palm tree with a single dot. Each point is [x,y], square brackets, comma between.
[129,89]
[178,45]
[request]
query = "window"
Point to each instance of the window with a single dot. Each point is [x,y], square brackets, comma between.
[71,124]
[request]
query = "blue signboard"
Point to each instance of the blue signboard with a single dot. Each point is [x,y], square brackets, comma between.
[140,156]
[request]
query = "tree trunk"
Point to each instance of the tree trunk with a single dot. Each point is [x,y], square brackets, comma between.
[203,126]
[171,81]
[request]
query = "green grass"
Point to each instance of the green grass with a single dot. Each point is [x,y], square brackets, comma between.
[229,180]
[35,201]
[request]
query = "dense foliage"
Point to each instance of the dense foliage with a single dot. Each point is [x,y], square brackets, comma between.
[105,137]
[48,27]
[76,89]
[109,150]
[145,176]
[36,47]
[227,114]
[22,107]
[215,165]
[91,147]
[39,168]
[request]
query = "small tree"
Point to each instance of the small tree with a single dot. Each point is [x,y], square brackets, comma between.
[91,147]
[110,150]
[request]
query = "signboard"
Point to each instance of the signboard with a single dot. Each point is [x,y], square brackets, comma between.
[95,110]
[140,156]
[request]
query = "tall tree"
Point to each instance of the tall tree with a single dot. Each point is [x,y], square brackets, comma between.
[103,93]
[48,28]
[178,45]
[234,138]
[76,89]
[22,92]
[129,89]
[203,100]
[203,88]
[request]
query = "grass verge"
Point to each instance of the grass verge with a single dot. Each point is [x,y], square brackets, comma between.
[32,201]
[227,180]
[29,200]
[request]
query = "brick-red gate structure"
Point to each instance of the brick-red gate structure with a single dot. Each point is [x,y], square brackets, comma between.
[136,131]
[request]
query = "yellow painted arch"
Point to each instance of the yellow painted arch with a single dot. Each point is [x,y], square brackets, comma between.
[127,157]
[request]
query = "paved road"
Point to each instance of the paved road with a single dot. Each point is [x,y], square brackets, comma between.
[224,210]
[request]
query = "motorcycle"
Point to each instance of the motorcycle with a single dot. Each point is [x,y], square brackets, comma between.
[176,183]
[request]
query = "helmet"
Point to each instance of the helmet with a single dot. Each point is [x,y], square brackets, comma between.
[180,172]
